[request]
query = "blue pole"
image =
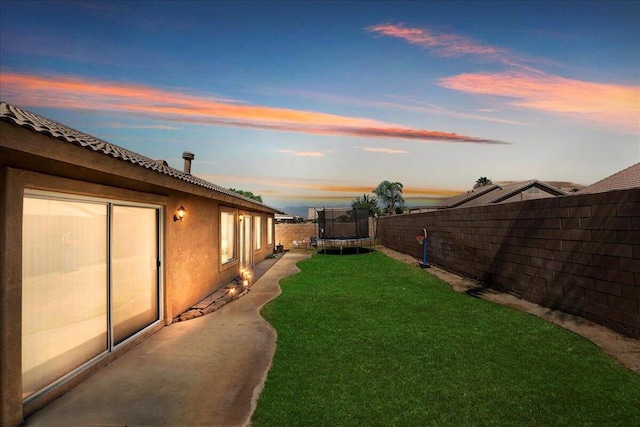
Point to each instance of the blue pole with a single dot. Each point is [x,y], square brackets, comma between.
[424,251]
[424,264]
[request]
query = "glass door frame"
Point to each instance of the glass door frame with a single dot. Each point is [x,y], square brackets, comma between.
[109,203]
[159,268]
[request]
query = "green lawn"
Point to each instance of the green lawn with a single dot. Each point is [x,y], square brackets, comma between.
[364,340]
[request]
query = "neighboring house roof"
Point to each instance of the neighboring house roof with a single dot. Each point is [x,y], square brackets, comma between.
[34,122]
[494,193]
[505,192]
[626,178]
[465,197]
[288,218]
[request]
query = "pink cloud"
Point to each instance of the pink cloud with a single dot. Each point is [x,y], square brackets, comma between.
[132,126]
[383,150]
[157,104]
[603,103]
[403,103]
[453,45]
[302,153]
[442,44]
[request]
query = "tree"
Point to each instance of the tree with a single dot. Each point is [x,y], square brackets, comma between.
[482,181]
[390,194]
[366,202]
[248,194]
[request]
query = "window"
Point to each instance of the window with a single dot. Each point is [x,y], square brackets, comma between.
[258,233]
[269,231]
[534,190]
[227,237]
[90,281]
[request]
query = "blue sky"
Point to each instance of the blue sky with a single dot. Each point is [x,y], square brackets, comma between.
[315,103]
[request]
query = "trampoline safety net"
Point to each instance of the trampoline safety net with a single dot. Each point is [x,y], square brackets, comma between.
[343,223]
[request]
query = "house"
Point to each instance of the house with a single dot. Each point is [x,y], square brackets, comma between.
[99,248]
[625,179]
[494,193]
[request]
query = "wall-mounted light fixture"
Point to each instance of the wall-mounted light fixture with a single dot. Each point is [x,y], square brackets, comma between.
[241,217]
[179,213]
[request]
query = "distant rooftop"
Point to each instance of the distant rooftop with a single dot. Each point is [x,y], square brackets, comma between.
[465,197]
[493,193]
[625,179]
[506,191]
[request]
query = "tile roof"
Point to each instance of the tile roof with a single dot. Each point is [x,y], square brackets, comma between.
[510,190]
[626,178]
[34,122]
[462,198]
[494,193]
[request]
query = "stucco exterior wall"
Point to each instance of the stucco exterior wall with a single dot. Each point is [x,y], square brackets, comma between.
[579,254]
[191,256]
[10,301]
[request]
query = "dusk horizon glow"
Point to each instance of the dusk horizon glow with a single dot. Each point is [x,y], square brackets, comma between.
[316,103]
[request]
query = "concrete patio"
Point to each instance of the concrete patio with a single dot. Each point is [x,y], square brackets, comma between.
[208,371]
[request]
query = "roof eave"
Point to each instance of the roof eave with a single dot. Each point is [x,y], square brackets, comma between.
[40,125]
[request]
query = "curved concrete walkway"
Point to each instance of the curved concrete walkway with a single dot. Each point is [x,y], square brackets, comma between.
[207,371]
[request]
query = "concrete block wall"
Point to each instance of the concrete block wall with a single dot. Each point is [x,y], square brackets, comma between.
[579,254]
[287,233]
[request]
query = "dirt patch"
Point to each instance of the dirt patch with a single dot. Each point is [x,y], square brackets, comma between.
[624,349]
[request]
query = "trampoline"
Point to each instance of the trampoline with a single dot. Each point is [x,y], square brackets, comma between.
[343,231]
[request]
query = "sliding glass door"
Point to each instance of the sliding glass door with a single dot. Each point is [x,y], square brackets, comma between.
[134,270]
[64,288]
[90,280]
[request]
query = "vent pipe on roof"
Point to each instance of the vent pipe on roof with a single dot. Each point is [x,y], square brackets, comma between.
[187,156]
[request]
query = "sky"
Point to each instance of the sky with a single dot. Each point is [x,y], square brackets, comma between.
[316,103]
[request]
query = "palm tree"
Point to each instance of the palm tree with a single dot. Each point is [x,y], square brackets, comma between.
[366,202]
[482,181]
[390,194]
